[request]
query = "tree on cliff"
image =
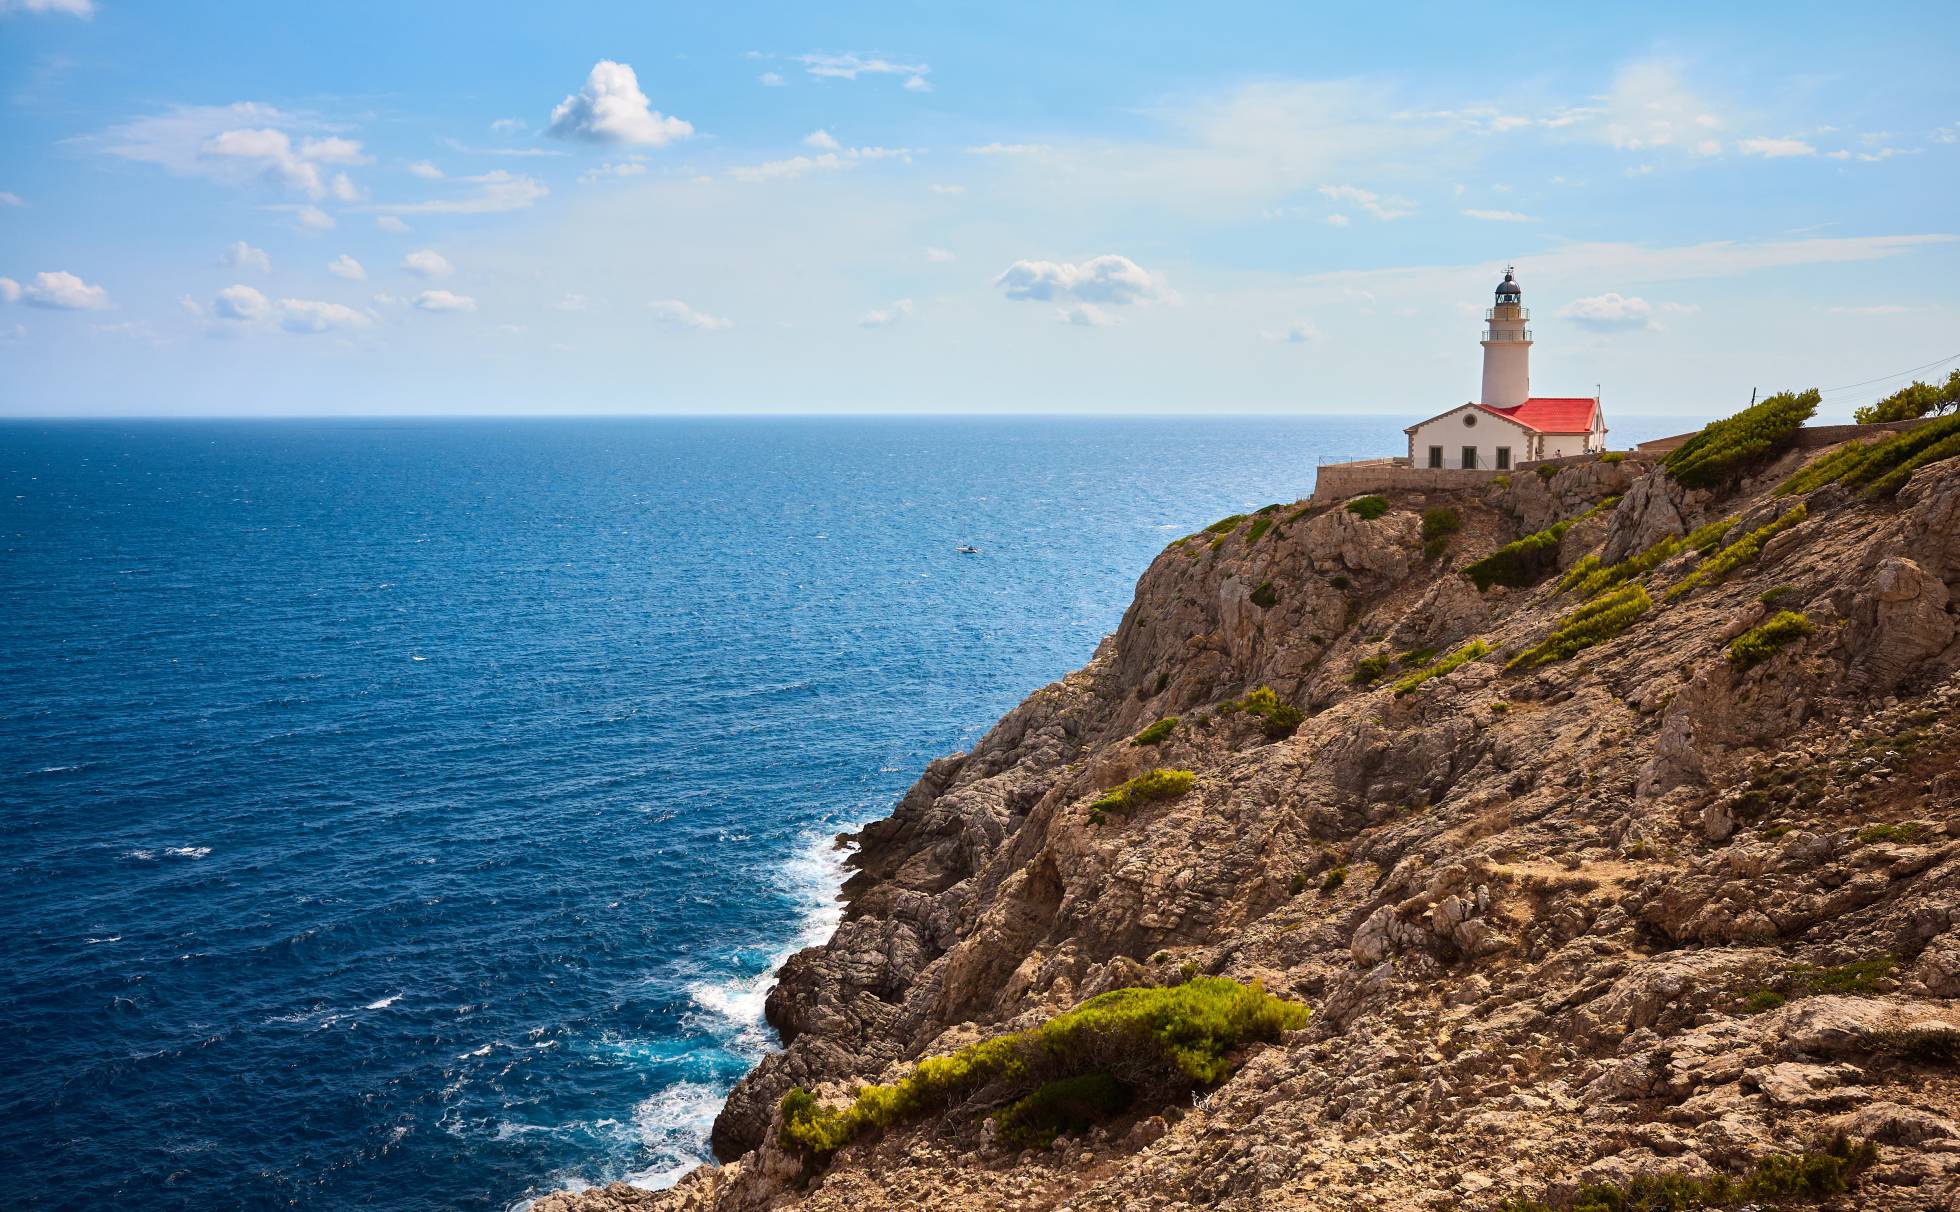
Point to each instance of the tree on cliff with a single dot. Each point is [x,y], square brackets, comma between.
[1915,400]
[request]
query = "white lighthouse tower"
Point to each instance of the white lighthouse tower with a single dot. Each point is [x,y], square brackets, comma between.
[1507,348]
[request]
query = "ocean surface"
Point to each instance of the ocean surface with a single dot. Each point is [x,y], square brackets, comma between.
[410,814]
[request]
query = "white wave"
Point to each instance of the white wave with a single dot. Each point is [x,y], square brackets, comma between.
[189,852]
[141,856]
[114,938]
[673,1126]
[384,1003]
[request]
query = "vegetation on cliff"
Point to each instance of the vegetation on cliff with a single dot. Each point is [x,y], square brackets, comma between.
[1142,1042]
[1714,569]
[1162,783]
[1880,468]
[1917,399]
[1727,448]
[1760,643]
[1594,623]
[1780,1178]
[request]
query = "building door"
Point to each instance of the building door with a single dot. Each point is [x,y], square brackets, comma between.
[1469,458]
[1436,456]
[1504,458]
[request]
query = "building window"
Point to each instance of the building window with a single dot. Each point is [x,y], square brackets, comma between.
[1435,456]
[1469,419]
[1504,458]
[1469,458]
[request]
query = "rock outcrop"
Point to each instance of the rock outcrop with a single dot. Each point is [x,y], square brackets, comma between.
[1647,910]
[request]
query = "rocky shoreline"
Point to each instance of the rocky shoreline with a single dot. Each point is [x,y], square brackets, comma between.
[1672,905]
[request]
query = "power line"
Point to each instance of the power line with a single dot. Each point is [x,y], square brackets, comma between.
[1898,375]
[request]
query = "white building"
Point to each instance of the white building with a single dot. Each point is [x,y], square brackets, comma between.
[1509,425]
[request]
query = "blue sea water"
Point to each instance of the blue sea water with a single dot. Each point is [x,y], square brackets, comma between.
[409,814]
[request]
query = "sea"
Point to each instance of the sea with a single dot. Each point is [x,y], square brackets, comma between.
[410,814]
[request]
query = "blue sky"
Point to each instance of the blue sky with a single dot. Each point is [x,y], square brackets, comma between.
[479,208]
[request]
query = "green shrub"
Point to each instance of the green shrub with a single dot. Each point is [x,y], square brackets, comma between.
[1727,448]
[1416,658]
[1434,548]
[1340,583]
[1163,680]
[1908,832]
[1368,508]
[1367,670]
[1590,578]
[1265,597]
[1761,642]
[1501,707]
[1780,1178]
[1708,536]
[1225,525]
[1546,471]
[1520,563]
[1880,468]
[1500,482]
[1613,456]
[1146,788]
[1259,527]
[1775,594]
[1155,732]
[1282,721]
[1915,400]
[1449,664]
[1744,550]
[1276,719]
[1860,977]
[1762,1000]
[1156,1041]
[1297,884]
[1065,1107]
[1440,521]
[1332,881]
[1275,507]
[1594,623]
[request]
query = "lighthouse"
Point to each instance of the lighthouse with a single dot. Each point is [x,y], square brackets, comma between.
[1507,347]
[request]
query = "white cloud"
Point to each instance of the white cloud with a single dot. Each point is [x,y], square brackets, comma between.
[1085,315]
[497,191]
[1610,312]
[949,190]
[308,316]
[240,255]
[7,199]
[1500,216]
[347,267]
[612,109]
[771,80]
[72,8]
[822,140]
[940,255]
[1106,279]
[270,152]
[1770,148]
[391,225]
[508,126]
[334,150]
[1032,150]
[425,170]
[242,303]
[63,291]
[885,317]
[427,263]
[626,168]
[312,218]
[1650,107]
[825,162]
[1337,220]
[676,314]
[1382,208]
[442,300]
[9,291]
[851,66]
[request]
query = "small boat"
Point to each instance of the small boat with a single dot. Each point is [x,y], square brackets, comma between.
[967,549]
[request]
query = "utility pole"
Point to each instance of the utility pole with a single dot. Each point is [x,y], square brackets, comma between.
[1752,397]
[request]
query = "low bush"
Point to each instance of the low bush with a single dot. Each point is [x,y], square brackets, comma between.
[1531,559]
[1709,535]
[1449,664]
[1880,468]
[1162,783]
[1744,550]
[1439,522]
[1225,525]
[1066,1107]
[1155,1042]
[1859,977]
[1762,1000]
[1259,527]
[1594,623]
[1908,832]
[1332,881]
[1500,482]
[1613,456]
[1368,508]
[1155,732]
[1726,449]
[1265,597]
[1368,670]
[1589,578]
[1761,642]
[1276,719]
[1780,1178]
[1914,400]
[1775,594]
[1416,658]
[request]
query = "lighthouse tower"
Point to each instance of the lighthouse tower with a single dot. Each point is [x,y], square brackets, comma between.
[1507,348]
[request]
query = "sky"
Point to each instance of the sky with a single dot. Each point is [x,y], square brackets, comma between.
[484,208]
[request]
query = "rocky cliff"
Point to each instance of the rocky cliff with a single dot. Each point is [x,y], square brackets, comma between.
[1668,904]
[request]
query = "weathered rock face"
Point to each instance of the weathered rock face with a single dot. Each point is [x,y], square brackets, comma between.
[1545,917]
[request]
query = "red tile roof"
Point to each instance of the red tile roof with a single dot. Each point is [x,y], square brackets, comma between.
[1551,414]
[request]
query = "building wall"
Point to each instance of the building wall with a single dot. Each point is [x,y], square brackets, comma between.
[1488,434]
[1507,373]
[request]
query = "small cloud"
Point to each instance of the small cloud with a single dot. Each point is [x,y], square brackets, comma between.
[851,66]
[885,317]
[1380,207]
[1010,149]
[425,170]
[940,256]
[949,190]
[1300,332]
[612,109]
[1500,216]
[1774,148]
[347,267]
[9,291]
[628,168]
[496,191]
[61,291]
[676,314]
[797,166]
[240,255]
[309,316]
[334,150]
[312,218]
[1106,279]
[1610,312]
[428,263]
[771,80]
[7,199]
[444,301]
[917,84]
[1085,315]
[73,8]
[822,140]
[1337,220]
[241,303]
[508,126]
[391,225]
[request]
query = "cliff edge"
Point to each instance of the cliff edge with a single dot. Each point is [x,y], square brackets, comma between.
[1641,862]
